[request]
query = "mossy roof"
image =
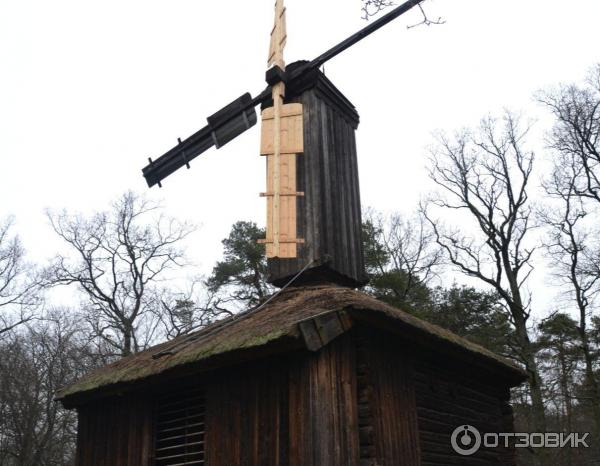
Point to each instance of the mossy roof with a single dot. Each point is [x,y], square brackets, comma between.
[276,321]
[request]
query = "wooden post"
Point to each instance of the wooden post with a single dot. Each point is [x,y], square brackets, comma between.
[278,39]
[278,90]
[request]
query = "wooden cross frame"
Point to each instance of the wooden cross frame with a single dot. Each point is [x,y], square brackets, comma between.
[281,140]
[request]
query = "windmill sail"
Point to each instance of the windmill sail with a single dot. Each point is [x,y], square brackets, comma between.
[282,139]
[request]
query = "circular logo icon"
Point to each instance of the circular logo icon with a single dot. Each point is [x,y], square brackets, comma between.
[466,440]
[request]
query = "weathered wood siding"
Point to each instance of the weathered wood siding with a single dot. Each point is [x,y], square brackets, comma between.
[410,402]
[387,410]
[449,396]
[365,399]
[323,407]
[300,411]
[329,215]
[115,432]
[247,417]
[294,410]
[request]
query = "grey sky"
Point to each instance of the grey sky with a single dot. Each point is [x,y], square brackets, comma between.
[89,90]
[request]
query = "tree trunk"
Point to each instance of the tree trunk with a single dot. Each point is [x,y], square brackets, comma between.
[591,381]
[127,341]
[528,354]
[564,386]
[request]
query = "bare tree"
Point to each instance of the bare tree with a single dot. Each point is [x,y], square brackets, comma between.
[576,133]
[485,175]
[400,257]
[372,8]
[19,285]
[37,361]
[185,312]
[118,259]
[573,248]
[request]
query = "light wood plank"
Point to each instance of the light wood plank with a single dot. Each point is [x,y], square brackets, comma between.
[292,130]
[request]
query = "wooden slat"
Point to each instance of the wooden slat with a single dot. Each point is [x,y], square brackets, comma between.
[288,241]
[297,194]
[181,445]
[179,457]
[287,110]
[180,420]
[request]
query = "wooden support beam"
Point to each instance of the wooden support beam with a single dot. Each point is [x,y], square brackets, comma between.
[278,94]
[297,194]
[284,241]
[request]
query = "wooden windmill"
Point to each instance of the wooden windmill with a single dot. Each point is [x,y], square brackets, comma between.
[308,125]
[318,374]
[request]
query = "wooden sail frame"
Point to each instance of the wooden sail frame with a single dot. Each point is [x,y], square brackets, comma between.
[282,138]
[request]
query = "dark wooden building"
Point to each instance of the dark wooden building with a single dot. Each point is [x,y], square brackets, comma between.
[318,376]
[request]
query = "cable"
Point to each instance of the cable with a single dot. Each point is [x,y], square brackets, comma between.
[226,322]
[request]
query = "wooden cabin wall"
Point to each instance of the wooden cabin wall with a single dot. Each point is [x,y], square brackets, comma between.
[246,417]
[411,402]
[447,396]
[363,400]
[115,432]
[387,407]
[323,407]
[295,411]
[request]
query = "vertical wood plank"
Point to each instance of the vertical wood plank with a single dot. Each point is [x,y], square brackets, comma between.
[392,401]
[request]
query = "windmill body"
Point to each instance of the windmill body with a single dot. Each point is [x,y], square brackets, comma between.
[328,213]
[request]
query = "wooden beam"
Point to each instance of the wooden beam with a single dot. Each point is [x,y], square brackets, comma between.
[320,330]
[285,241]
[298,194]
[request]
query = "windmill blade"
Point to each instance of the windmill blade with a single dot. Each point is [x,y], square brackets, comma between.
[224,126]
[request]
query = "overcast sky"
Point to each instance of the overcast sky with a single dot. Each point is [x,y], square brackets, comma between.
[89,90]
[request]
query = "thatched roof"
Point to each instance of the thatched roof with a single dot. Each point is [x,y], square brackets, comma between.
[280,324]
